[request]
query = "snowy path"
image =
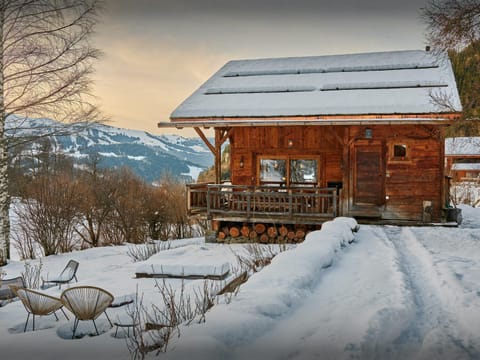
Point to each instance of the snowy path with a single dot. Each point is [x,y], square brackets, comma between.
[384,297]
[436,330]
[346,313]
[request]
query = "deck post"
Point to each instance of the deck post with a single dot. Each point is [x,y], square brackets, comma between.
[290,203]
[208,201]
[335,203]
[189,200]
[218,156]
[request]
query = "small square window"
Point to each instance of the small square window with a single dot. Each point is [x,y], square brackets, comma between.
[399,151]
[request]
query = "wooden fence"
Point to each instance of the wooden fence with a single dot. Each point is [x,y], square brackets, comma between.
[261,201]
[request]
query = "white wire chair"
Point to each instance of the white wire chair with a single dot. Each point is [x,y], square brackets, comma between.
[68,274]
[37,303]
[86,303]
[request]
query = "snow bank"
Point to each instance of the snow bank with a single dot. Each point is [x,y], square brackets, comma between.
[268,295]
[470,215]
[190,260]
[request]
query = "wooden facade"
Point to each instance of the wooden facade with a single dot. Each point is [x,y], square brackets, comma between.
[384,165]
[462,155]
[374,182]
[463,168]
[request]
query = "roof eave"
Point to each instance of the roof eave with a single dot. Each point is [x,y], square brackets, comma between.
[318,120]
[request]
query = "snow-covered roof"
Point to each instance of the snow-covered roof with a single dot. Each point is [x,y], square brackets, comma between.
[466,166]
[399,82]
[462,146]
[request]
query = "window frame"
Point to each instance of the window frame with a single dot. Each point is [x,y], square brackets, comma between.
[259,171]
[400,159]
[288,159]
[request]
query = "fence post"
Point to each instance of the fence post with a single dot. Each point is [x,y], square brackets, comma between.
[290,203]
[189,200]
[208,200]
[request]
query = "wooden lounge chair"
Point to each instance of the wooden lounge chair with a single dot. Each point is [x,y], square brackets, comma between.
[37,303]
[6,293]
[68,274]
[86,303]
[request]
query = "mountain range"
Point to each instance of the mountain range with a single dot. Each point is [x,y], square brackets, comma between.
[149,156]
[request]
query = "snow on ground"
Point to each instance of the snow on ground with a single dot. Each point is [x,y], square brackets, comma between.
[395,292]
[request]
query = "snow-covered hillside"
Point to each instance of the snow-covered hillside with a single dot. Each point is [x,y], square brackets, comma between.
[395,292]
[148,155]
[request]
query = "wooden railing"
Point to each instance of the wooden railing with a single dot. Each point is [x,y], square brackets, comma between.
[261,201]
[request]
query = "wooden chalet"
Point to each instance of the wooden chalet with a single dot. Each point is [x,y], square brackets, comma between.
[462,155]
[317,137]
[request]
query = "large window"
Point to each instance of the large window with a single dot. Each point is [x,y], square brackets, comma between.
[273,171]
[303,172]
[288,171]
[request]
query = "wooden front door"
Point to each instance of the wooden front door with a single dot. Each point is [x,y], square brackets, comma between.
[368,177]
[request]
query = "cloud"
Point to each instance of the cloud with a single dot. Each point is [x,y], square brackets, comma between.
[140,83]
[158,52]
[284,8]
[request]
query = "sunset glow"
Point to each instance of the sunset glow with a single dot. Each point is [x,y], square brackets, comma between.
[156,53]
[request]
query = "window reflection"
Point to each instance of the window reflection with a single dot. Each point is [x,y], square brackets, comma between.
[300,172]
[303,171]
[273,171]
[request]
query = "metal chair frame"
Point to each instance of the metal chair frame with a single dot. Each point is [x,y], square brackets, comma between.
[93,312]
[72,264]
[6,292]
[33,308]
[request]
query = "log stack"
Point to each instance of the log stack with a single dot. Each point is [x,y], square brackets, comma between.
[261,232]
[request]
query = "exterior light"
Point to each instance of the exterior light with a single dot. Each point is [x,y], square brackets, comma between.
[290,143]
[241,162]
[368,133]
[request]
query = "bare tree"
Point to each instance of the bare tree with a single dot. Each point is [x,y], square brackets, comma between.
[98,191]
[49,214]
[453,27]
[126,222]
[452,24]
[46,60]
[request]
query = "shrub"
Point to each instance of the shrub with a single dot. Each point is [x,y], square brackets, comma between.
[48,216]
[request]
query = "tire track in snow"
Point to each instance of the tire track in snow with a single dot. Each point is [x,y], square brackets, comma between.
[434,331]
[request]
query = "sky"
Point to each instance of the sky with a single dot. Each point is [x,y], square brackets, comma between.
[158,52]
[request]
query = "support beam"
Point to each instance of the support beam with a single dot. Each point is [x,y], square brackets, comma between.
[335,134]
[221,135]
[205,140]
[218,156]
[226,134]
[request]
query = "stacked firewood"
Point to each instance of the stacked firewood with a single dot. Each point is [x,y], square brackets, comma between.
[262,233]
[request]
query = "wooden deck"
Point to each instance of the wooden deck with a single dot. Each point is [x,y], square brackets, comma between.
[307,205]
